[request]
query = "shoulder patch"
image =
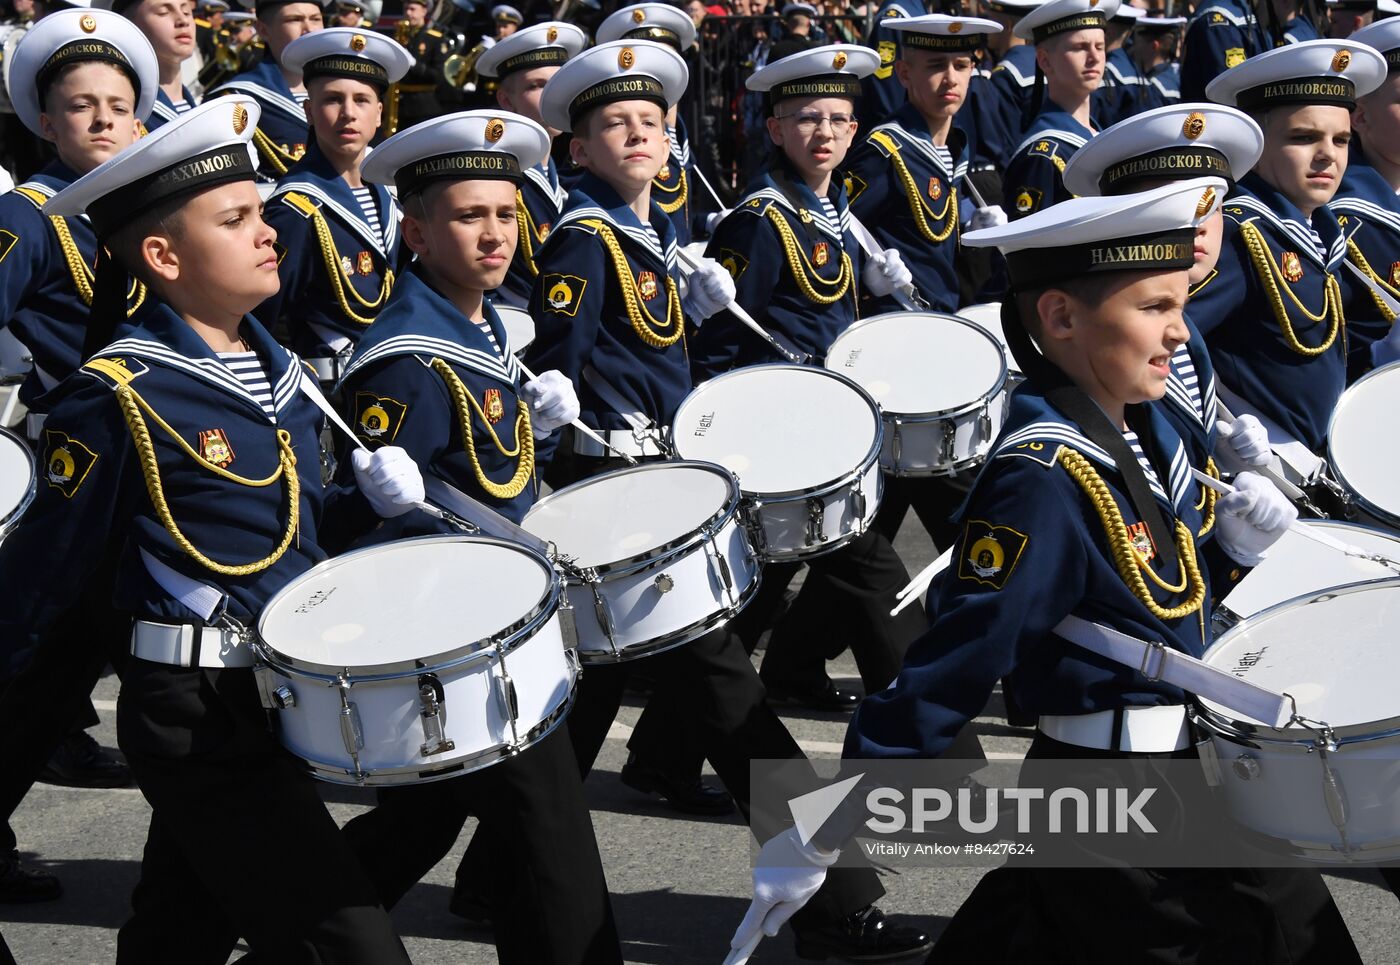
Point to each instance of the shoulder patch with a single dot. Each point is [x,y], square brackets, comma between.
[1028,200]
[377,419]
[855,185]
[36,198]
[434,33]
[67,462]
[732,262]
[115,371]
[564,293]
[989,553]
[8,240]
[1045,147]
[756,205]
[300,203]
[1044,453]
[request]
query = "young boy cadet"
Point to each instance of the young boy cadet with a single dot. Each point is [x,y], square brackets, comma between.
[1274,315]
[186,451]
[337,237]
[437,363]
[1100,284]
[523,64]
[1069,60]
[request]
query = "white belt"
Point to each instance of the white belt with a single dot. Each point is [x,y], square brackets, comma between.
[34,424]
[1146,730]
[182,645]
[621,441]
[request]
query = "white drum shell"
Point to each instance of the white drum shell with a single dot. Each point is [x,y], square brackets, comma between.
[18,476]
[519,326]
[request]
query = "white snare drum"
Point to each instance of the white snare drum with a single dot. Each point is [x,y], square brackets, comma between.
[657,556]
[416,660]
[804,444]
[1367,466]
[519,326]
[1334,653]
[17,479]
[987,317]
[940,384]
[1297,566]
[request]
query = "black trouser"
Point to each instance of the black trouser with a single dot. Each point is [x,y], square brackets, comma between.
[934,500]
[240,843]
[542,866]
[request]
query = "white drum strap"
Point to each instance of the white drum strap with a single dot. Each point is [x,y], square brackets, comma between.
[1298,458]
[199,598]
[1157,661]
[481,516]
[339,344]
[1381,294]
[615,401]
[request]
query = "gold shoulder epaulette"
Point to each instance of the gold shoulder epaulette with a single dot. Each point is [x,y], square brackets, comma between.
[35,197]
[301,203]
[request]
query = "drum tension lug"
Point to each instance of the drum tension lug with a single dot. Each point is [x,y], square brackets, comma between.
[352,732]
[897,443]
[816,516]
[433,703]
[950,438]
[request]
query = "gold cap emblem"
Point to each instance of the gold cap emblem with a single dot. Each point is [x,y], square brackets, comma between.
[240,119]
[88,23]
[551,35]
[838,61]
[638,15]
[1341,61]
[1206,203]
[1194,126]
[955,27]
[495,129]
[625,58]
[1093,4]
[357,42]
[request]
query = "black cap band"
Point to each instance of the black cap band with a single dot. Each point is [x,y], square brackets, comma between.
[827,85]
[530,59]
[1089,20]
[221,165]
[635,88]
[1303,90]
[945,43]
[1172,164]
[82,51]
[654,33]
[343,65]
[1033,268]
[457,166]
[1392,60]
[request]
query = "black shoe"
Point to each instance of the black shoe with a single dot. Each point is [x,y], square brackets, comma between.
[866,936]
[19,884]
[829,698]
[687,794]
[81,762]
[470,908]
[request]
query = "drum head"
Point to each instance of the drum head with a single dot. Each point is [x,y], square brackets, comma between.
[1333,652]
[1297,566]
[16,476]
[629,513]
[519,326]
[404,600]
[1364,464]
[987,317]
[919,362]
[779,428]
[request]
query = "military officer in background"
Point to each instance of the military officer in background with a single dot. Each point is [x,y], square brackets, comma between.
[417,93]
[354,13]
[170,28]
[281,139]
[1069,51]
[522,65]
[338,241]
[209,26]
[507,20]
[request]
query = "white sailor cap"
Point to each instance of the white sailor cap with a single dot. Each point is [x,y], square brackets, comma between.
[72,36]
[467,146]
[834,70]
[354,52]
[1312,72]
[239,16]
[505,13]
[649,21]
[1148,231]
[1015,8]
[1128,14]
[1146,23]
[204,148]
[1383,36]
[1178,142]
[623,70]
[806,9]
[543,45]
[215,6]
[938,32]
[1063,16]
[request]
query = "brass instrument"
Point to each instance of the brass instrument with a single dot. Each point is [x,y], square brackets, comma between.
[390,125]
[230,59]
[459,70]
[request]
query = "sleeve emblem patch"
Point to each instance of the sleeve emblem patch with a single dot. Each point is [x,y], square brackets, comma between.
[8,240]
[1234,56]
[990,553]
[563,293]
[378,419]
[67,462]
[1028,200]
[732,262]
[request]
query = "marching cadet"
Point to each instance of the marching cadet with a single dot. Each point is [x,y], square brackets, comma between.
[676,189]
[337,237]
[1044,538]
[438,364]
[1222,34]
[1147,151]
[281,140]
[170,28]
[430,46]
[1117,94]
[82,80]
[1069,59]
[1013,77]
[523,64]
[1274,314]
[187,449]
[1155,45]
[611,318]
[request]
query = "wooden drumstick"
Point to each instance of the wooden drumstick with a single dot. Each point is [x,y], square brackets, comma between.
[580,426]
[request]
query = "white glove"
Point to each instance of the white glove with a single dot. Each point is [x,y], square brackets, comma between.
[553,402]
[787,875]
[709,288]
[884,273]
[1245,444]
[713,219]
[389,479]
[1386,350]
[1252,518]
[992,216]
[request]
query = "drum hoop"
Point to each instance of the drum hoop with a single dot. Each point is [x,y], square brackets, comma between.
[505,640]
[681,545]
[1228,726]
[938,415]
[1348,398]
[820,489]
[12,518]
